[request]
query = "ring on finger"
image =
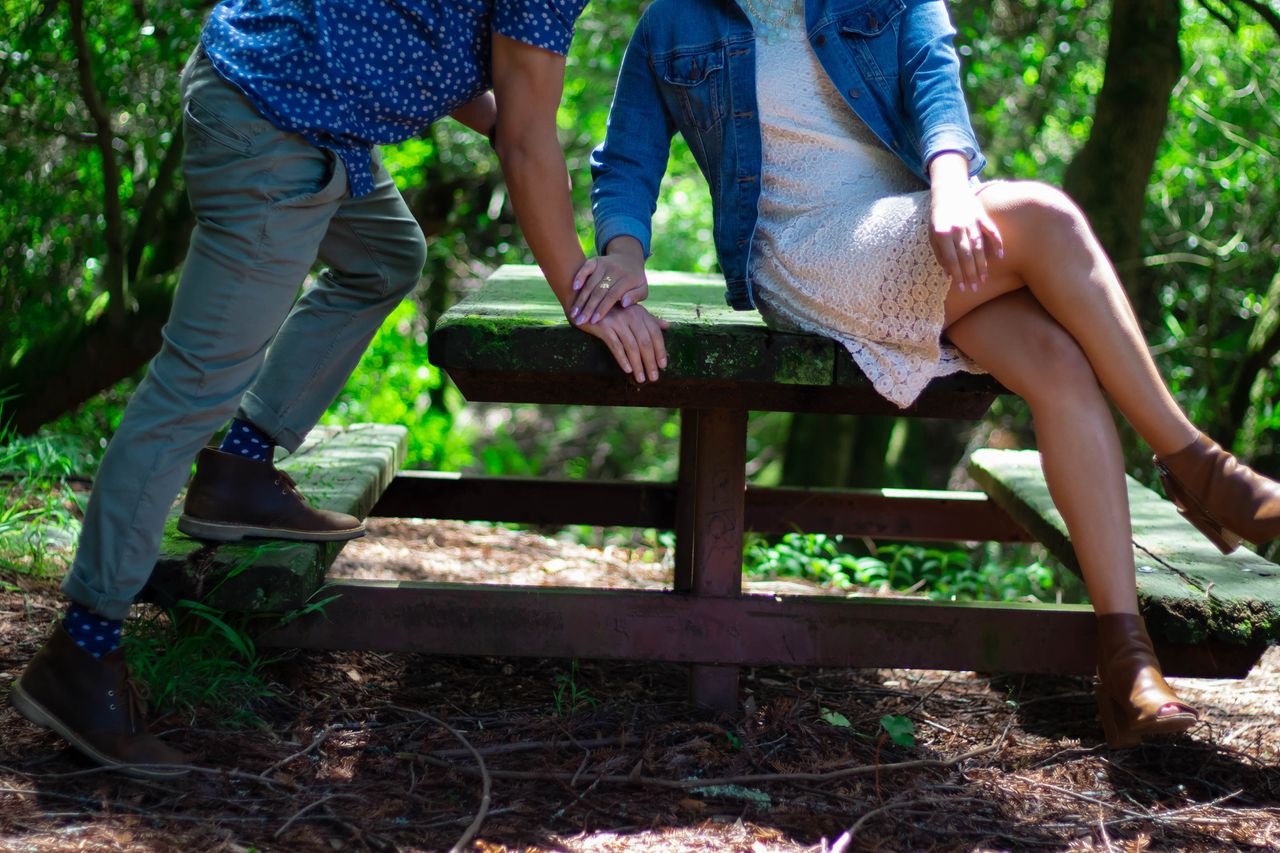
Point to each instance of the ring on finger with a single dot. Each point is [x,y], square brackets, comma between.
[605,283]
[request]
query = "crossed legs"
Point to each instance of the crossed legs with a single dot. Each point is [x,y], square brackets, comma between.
[1052,323]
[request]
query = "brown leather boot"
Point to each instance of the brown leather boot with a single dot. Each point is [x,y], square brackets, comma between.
[92,704]
[1227,501]
[231,498]
[1134,700]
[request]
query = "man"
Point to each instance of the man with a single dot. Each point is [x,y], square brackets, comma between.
[283,104]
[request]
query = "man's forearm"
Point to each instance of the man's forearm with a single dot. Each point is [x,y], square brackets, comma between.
[539,186]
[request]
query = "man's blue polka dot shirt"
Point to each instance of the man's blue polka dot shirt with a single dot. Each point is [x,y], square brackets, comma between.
[350,75]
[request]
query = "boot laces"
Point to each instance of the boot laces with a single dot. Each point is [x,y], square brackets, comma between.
[290,485]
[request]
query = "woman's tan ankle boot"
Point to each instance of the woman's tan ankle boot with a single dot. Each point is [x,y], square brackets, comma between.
[1134,700]
[1227,501]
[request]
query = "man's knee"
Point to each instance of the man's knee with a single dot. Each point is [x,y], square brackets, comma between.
[404,266]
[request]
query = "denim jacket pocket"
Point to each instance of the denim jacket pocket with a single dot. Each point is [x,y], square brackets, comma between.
[696,80]
[872,32]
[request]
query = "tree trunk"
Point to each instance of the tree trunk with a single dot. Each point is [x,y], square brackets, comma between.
[64,370]
[1109,176]
[818,450]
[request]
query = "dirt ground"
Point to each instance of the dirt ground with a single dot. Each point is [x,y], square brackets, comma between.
[371,751]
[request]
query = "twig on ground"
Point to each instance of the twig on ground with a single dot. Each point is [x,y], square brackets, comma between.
[527,746]
[846,838]
[319,739]
[750,779]
[486,782]
[299,813]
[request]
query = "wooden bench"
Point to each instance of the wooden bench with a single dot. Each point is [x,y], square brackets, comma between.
[508,342]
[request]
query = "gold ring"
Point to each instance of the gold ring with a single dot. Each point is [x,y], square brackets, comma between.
[605,283]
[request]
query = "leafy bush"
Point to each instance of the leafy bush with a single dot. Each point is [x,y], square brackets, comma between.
[986,573]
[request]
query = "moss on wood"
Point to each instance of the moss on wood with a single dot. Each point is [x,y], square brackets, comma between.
[1189,592]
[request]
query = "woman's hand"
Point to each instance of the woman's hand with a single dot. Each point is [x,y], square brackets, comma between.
[964,237]
[614,278]
[634,337]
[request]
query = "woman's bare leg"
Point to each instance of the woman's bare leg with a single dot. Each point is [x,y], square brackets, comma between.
[1050,249]
[1032,355]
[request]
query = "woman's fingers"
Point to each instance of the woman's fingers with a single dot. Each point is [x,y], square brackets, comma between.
[635,295]
[584,283]
[608,291]
[979,256]
[964,256]
[945,249]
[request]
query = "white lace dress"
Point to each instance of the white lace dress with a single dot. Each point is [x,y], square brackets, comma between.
[842,248]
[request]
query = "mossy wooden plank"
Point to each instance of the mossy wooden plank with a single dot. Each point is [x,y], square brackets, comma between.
[1188,590]
[514,323]
[339,469]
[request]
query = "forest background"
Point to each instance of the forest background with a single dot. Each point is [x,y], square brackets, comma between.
[1162,118]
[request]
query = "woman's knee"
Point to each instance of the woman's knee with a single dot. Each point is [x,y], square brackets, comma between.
[1038,208]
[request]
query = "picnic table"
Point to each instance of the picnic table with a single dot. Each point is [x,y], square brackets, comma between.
[508,342]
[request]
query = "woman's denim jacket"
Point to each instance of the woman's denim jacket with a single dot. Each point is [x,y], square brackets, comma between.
[691,67]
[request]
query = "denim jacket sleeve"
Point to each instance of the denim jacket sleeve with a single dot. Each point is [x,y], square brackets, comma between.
[931,84]
[627,169]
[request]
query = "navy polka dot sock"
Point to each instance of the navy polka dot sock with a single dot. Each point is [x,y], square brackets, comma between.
[244,439]
[95,635]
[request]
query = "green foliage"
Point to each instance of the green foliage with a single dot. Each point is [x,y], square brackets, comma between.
[899,729]
[569,696]
[986,573]
[834,718]
[193,656]
[38,509]
[395,384]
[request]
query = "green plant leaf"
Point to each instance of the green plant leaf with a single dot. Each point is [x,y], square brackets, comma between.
[835,718]
[900,729]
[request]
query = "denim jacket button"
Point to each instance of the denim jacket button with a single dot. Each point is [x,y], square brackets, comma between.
[820,41]
[855,92]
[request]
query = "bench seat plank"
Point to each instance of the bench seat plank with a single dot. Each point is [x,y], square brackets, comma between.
[1188,590]
[509,342]
[345,470]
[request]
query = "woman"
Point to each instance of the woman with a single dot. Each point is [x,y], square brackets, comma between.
[836,141]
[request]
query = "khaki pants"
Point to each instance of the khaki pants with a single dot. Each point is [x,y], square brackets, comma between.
[239,339]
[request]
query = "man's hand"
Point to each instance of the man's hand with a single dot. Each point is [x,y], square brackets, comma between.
[963,235]
[634,337]
[614,278]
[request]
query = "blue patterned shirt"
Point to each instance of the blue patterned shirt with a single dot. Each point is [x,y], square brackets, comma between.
[350,74]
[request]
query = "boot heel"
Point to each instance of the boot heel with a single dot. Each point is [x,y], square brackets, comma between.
[1118,733]
[1224,539]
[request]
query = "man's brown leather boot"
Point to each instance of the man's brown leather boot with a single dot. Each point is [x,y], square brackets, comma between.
[90,703]
[231,498]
